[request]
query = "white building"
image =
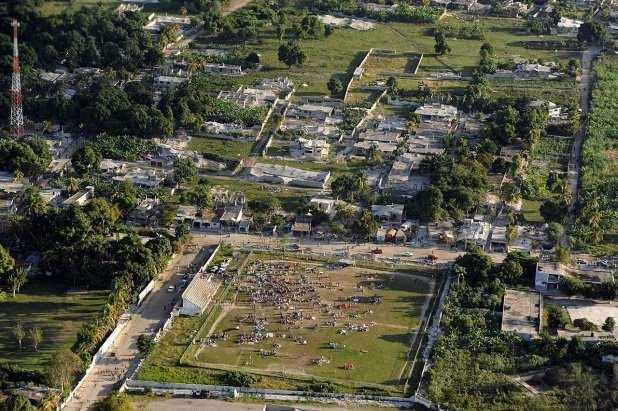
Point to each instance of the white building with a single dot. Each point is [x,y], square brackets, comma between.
[81,198]
[567,27]
[553,110]
[437,112]
[277,174]
[198,294]
[474,231]
[313,148]
[162,83]
[389,213]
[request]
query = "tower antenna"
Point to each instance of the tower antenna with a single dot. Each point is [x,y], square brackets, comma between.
[17,113]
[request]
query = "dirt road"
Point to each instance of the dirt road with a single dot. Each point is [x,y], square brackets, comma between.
[234,5]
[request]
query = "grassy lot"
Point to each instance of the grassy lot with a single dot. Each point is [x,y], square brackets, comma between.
[561,92]
[338,54]
[225,148]
[387,340]
[530,211]
[49,8]
[290,198]
[43,303]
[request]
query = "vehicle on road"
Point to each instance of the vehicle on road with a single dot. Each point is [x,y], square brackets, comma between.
[171,289]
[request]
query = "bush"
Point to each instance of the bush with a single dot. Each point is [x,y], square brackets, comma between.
[557,317]
[239,379]
[584,324]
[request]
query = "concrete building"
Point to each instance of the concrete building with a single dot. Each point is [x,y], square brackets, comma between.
[474,231]
[533,70]
[164,83]
[437,112]
[278,174]
[315,149]
[389,213]
[223,69]
[553,110]
[198,294]
[314,111]
[567,27]
[249,97]
[326,205]
[81,198]
[549,274]
[384,136]
[521,313]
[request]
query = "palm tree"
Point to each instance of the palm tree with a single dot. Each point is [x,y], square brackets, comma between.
[18,175]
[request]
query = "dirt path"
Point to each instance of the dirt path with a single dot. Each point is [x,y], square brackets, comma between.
[574,169]
[234,5]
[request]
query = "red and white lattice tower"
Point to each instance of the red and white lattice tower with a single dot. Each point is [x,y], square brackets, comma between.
[17,113]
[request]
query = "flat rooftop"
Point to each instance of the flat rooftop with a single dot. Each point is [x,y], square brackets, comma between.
[521,312]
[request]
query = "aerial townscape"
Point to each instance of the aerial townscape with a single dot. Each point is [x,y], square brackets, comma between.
[317,205]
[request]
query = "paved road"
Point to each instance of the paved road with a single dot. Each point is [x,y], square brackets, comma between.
[189,404]
[148,318]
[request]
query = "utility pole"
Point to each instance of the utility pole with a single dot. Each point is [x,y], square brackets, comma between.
[17,113]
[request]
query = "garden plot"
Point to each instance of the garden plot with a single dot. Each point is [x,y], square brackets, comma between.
[313,320]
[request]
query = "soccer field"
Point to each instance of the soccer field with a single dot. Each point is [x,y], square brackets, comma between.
[310,320]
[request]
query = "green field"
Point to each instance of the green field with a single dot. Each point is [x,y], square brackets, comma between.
[391,322]
[530,211]
[224,148]
[338,54]
[56,7]
[43,303]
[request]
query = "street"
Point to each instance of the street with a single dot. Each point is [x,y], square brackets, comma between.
[147,319]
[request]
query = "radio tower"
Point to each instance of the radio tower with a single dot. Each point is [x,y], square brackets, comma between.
[17,113]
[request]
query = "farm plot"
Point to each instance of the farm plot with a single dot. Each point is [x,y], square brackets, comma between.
[310,321]
[548,164]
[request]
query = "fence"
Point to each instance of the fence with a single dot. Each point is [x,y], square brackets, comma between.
[265,393]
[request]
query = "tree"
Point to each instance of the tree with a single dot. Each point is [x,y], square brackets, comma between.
[487,64]
[17,279]
[63,366]
[557,317]
[238,379]
[478,266]
[291,54]
[593,32]
[36,335]
[553,211]
[85,159]
[365,226]
[554,231]
[252,60]
[145,344]
[335,86]
[185,170]
[609,324]
[72,185]
[6,262]
[576,346]
[118,401]
[441,47]
[563,254]
[391,85]
[19,333]
[427,204]
[510,271]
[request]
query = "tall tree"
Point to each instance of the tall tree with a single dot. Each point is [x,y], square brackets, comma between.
[441,47]
[62,368]
[17,279]
[19,333]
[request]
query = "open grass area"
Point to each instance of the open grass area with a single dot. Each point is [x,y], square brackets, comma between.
[290,198]
[224,148]
[43,303]
[561,92]
[378,310]
[351,316]
[530,211]
[338,54]
[49,8]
